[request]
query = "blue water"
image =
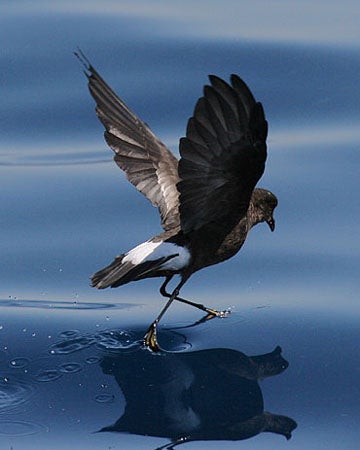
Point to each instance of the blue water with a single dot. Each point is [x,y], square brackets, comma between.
[66,210]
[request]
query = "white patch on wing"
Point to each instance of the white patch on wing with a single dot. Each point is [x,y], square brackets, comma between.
[151,251]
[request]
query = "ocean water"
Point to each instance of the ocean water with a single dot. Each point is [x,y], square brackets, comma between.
[70,360]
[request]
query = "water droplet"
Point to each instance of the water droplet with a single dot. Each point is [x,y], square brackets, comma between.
[19,363]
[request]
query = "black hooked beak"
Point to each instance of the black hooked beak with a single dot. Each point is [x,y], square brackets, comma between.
[271,223]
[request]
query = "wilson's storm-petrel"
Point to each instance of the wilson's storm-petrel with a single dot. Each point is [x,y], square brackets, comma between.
[207,200]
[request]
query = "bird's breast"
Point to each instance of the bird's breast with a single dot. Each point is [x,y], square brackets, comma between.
[210,249]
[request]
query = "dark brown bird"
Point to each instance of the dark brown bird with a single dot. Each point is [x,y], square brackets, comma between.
[207,200]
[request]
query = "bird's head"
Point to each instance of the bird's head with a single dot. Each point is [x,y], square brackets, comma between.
[264,202]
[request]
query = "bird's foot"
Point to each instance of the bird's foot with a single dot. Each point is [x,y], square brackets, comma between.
[150,339]
[212,313]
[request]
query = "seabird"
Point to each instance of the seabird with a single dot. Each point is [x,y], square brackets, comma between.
[207,200]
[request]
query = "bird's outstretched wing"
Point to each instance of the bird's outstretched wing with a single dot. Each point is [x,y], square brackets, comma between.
[222,156]
[147,162]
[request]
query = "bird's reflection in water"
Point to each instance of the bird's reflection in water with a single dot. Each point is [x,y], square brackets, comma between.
[201,395]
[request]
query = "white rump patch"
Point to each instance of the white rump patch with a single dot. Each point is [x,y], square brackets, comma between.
[151,251]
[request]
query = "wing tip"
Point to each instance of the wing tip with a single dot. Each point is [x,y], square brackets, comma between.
[88,68]
[215,79]
[235,80]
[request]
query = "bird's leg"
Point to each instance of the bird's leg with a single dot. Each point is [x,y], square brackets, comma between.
[211,313]
[173,444]
[150,339]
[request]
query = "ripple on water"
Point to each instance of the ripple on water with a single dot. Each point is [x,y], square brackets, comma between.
[105,398]
[70,334]
[114,340]
[19,428]
[108,340]
[15,303]
[72,345]
[19,363]
[92,360]
[71,367]
[46,375]
[13,393]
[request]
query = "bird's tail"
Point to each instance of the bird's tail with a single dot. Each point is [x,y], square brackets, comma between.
[120,272]
[106,276]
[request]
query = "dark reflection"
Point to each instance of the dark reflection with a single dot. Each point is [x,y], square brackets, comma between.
[201,395]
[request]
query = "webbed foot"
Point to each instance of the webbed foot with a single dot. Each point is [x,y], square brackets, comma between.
[212,313]
[150,338]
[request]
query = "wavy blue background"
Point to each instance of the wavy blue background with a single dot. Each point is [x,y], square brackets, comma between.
[66,209]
